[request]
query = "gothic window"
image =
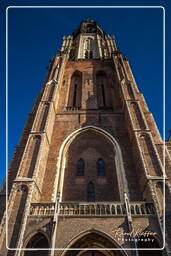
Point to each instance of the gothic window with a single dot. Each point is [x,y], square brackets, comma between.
[100,167]
[103,90]
[90,192]
[80,167]
[75,93]
[88,46]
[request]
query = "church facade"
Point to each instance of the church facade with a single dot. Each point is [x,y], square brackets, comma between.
[87,177]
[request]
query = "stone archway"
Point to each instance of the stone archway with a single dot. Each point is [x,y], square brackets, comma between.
[88,240]
[38,240]
[121,176]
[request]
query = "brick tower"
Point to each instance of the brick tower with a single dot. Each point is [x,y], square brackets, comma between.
[88,171]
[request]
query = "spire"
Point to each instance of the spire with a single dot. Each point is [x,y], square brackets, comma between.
[89,42]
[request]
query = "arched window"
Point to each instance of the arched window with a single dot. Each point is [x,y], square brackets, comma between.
[80,167]
[88,47]
[90,192]
[89,43]
[100,167]
[75,93]
[103,90]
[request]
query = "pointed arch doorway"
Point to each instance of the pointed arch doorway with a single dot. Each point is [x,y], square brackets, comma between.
[103,245]
[38,240]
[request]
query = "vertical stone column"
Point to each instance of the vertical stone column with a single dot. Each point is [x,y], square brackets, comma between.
[112,44]
[80,47]
[109,46]
[99,46]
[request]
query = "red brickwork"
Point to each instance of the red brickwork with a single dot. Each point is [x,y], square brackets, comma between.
[89,109]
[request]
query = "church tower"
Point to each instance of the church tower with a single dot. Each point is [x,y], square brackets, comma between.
[87,177]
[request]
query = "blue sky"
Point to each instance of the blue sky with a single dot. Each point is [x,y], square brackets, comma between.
[36,34]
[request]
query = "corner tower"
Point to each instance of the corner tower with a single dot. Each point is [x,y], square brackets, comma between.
[89,165]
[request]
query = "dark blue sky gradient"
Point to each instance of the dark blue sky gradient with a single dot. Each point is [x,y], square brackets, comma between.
[36,34]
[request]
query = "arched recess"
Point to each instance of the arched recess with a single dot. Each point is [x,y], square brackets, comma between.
[43,117]
[120,171]
[90,146]
[103,90]
[75,90]
[16,218]
[31,155]
[38,240]
[93,239]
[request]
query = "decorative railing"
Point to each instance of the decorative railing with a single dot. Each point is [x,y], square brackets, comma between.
[73,108]
[141,208]
[92,209]
[89,209]
[43,209]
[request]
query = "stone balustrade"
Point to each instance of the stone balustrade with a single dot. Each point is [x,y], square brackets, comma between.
[87,209]
[42,209]
[141,208]
[72,108]
[92,209]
